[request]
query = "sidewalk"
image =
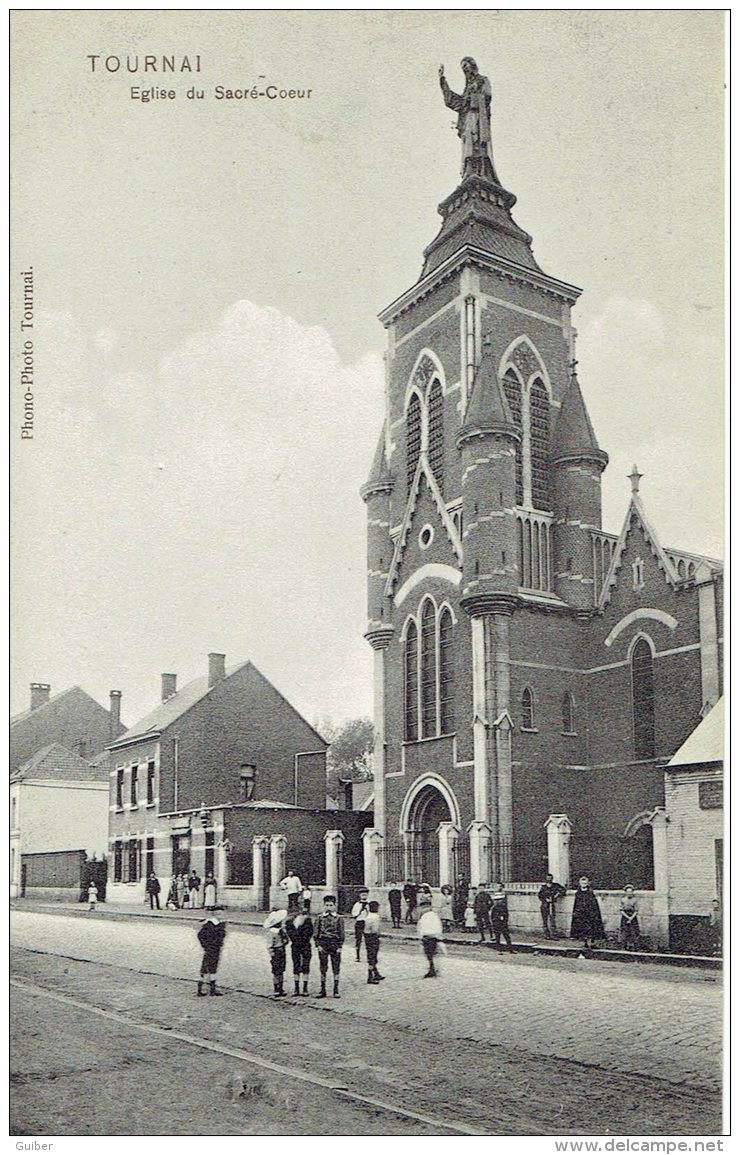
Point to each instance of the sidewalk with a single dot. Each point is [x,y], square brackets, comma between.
[525,943]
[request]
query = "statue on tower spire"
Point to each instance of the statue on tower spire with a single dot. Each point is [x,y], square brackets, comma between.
[473,108]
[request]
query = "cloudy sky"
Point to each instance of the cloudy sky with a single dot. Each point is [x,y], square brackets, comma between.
[208,276]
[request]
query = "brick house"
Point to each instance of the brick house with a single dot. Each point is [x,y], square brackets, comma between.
[71,719]
[528,663]
[220,766]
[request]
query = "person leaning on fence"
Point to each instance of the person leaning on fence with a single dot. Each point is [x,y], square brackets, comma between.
[329,938]
[482,908]
[629,924]
[548,894]
[293,887]
[409,895]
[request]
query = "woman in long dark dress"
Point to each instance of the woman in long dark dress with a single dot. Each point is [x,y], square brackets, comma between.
[586,923]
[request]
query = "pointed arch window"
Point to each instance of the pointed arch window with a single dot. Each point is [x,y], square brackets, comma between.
[527,709]
[539,444]
[413,437]
[446,674]
[436,434]
[569,713]
[643,700]
[411,683]
[428,671]
[513,391]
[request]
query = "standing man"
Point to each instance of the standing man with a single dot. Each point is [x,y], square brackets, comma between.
[211,937]
[293,887]
[548,894]
[394,902]
[153,888]
[409,894]
[329,938]
[372,943]
[482,908]
[194,889]
[500,915]
[359,913]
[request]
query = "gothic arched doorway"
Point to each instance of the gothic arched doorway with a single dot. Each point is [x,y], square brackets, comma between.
[427,808]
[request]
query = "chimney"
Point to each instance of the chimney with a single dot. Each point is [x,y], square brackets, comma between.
[169,686]
[114,723]
[216,669]
[40,692]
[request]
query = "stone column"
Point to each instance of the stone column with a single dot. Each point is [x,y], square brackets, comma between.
[448,834]
[333,843]
[499,648]
[379,638]
[709,648]
[278,846]
[559,830]
[480,850]
[373,865]
[409,862]
[661,875]
[480,724]
[259,842]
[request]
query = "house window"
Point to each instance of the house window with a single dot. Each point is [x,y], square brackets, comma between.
[569,719]
[643,700]
[150,783]
[119,789]
[117,861]
[210,863]
[638,574]
[134,785]
[446,674]
[134,860]
[413,437]
[428,672]
[180,853]
[539,444]
[411,684]
[513,390]
[436,434]
[149,857]
[527,709]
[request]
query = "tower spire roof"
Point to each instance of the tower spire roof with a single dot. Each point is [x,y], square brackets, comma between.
[380,479]
[487,409]
[574,434]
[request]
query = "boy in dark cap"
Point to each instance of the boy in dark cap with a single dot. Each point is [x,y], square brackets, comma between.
[211,937]
[329,938]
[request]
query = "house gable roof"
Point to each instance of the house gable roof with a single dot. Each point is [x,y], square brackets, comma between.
[57,762]
[706,743]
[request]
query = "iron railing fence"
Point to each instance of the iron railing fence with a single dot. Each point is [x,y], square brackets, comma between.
[612,862]
[517,860]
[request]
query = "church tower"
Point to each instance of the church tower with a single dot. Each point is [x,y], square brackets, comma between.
[480,503]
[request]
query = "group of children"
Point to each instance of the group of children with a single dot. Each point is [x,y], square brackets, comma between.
[296,930]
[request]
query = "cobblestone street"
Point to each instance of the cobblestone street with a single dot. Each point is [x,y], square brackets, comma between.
[525,1044]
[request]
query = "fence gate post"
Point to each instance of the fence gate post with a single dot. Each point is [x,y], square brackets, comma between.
[333,843]
[278,846]
[372,857]
[448,834]
[259,843]
[559,830]
[480,851]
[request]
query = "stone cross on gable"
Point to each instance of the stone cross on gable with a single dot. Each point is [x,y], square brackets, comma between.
[635,477]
